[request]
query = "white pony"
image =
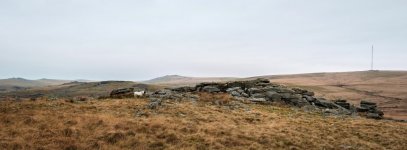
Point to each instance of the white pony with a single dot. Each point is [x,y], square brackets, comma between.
[139,93]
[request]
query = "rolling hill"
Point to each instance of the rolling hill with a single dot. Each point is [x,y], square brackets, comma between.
[16,84]
[21,82]
[77,89]
[176,80]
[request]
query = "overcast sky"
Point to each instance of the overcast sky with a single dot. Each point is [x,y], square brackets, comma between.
[143,39]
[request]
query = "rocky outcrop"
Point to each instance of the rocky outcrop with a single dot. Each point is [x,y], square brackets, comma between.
[170,94]
[184,89]
[370,110]
[122,93]
[259,91]
[343,103]
[322,102]
[224,87]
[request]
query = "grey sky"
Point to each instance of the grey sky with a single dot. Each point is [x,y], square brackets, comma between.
[142,39]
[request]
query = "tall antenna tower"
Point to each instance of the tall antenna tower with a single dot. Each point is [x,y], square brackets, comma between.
[371,64]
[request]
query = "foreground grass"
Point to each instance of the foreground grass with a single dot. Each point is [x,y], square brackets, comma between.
[127,124]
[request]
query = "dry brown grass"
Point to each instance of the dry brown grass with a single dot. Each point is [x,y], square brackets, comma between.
[127,124]
[218,98]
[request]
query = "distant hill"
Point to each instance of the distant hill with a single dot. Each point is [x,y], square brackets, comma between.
[21,82]
[176,80]
[74,89]
[18,84]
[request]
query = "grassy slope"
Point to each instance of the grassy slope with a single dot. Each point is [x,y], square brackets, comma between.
[30,83]
[89,89]
[387,88]
[112,124]
[18,84]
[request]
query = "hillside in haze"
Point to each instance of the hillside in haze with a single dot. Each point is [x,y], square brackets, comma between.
[77,89]
[176,80]
[16,84]
[21,82]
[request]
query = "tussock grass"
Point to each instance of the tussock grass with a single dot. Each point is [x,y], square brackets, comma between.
[114,124]
[218,98]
